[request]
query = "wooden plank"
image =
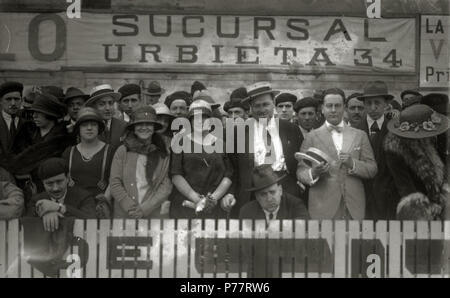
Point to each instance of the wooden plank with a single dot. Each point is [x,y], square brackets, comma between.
[371,261]
[313,262]
[103,234]
[3,238]
[221,248]
[326,233]
[77,271]
[155,251]
[117,231]
[408,235]
[395,247]
[436,235]
[168,245]
[181,268]
[423,250]
[274,256]
[382,235]
[25,268]
[210,237]
[142,231]
[260,253]
[340,242]
[195,264]
[300,249]
[446,254]
[354,261]
[92,240]
[288,249]
[13,249]
[247,249]
[130,231]
[233,248]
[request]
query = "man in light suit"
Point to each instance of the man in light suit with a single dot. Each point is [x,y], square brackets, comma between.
[336,189]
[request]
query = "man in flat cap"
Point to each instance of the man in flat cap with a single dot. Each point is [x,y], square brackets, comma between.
[285,105]
[10,120]
[59,199]
[129,101]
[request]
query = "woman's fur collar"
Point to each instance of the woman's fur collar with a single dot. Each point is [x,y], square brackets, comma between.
[132,143]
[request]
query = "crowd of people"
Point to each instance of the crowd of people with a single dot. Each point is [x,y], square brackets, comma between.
[109,154]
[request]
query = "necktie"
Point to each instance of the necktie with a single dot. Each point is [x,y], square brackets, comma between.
[271,216]
[374,129]
[270,149]
[335,128]
[12,128]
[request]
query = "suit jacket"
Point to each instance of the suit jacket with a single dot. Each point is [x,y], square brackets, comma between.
[379,189]
[116,132]
[339,183]
[243,163]
[6,142]
[79,203]
[290,208]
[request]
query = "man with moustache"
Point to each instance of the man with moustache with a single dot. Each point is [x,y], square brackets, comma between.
[336,188]
[102,99]
[355,110]
[274,142]
[10,120]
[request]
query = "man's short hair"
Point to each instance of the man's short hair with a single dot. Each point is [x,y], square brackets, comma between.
[336,91]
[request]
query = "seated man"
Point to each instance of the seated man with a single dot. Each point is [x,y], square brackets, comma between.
[59,199]
[271,203]
[11,200]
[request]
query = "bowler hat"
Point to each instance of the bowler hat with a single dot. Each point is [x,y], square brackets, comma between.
[154,88]
[263,176]
[258,89]
[146,114]
[312,156]
[285,97]
[48,105]
[52,167]
[9,87]
[418,121]
[375,89]
[101,91]
[89,114]
[305,102]
[236,100]
[72,93]
[129,89]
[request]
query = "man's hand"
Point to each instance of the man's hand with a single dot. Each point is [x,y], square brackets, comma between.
[346,160]
[44,206]
[319,169]
[228,201]
[195,197]
[136,212]
[51,221]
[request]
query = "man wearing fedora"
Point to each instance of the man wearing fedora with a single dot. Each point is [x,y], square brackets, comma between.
[10,120]
[129,101]
[271,202]
[376,99]
[273,141]
[336,189]
[102,99]
[153,93]
[74,99]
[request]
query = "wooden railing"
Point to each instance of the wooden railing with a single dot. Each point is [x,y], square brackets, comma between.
[209,248]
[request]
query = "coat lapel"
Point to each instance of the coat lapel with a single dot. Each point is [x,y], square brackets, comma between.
[348,139]
[327,140]
[4,135]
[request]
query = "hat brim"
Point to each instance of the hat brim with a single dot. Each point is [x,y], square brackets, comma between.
[115,95]
[299,156]
[267,185]
[248,99]
[443,127]
[46,112]
[154,93]
[156,124]
[387,96]
[101,124]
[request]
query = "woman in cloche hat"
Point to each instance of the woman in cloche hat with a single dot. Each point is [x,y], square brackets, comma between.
[420,182]
[90,160]
[139,179]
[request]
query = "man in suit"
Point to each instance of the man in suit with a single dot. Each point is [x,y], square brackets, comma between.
[268,140]
[376,99]
[10,120]
[59,199]
[354,109]
[336,188]
[271,202]
[102,99]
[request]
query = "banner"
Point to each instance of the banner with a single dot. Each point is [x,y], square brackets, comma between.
[197,42]
[434,51]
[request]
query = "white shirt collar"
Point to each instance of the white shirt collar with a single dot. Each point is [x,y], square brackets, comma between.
[380,121]
[267,213]
[6,116]
[339,125]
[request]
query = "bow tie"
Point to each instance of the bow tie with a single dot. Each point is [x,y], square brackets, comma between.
[334,127]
